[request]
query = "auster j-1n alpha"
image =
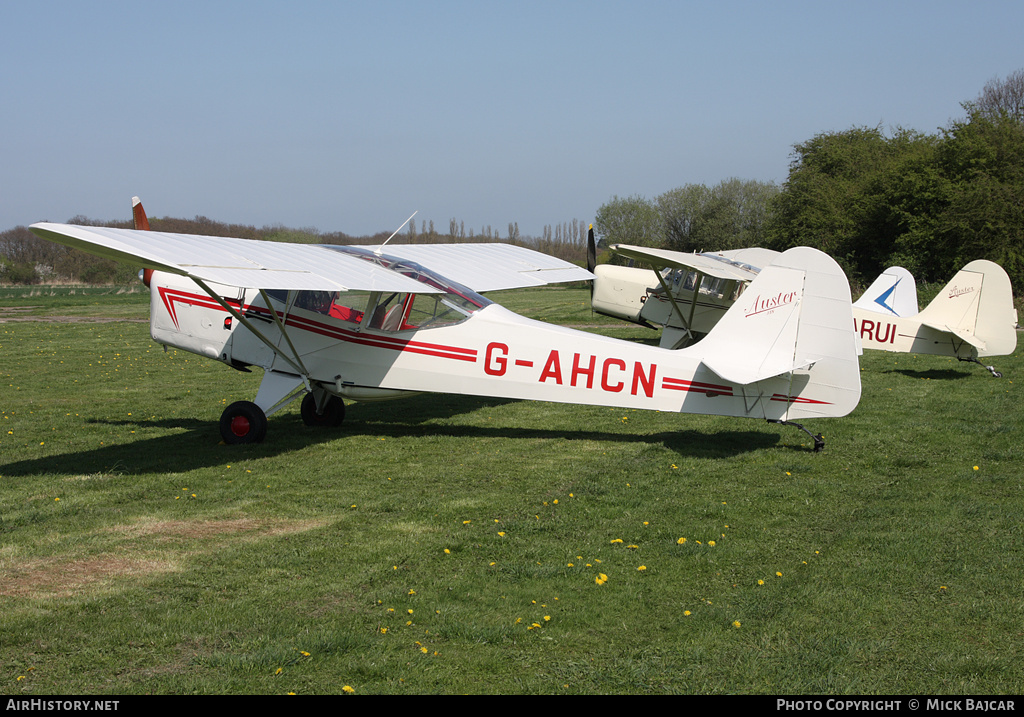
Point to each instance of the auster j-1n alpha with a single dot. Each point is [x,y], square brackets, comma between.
[971,318]
[328,323]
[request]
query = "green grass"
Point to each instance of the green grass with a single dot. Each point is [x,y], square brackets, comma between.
[138,555]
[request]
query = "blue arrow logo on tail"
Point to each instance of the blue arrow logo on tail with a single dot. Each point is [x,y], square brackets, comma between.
[885,297]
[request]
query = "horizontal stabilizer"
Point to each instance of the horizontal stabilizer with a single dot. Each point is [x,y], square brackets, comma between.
[959,333]
[757,336]
[793,322]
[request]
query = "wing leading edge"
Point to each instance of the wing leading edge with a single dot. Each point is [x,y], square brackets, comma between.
[277,265]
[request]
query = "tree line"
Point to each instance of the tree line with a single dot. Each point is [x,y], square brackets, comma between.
[869,198]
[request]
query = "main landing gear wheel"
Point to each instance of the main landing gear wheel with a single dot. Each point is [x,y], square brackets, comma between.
[333,413]
[243,422]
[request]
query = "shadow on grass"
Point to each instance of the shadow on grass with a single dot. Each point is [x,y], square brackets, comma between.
[197,444]
[935,373]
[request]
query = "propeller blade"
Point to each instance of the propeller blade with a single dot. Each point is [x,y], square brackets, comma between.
[591,250]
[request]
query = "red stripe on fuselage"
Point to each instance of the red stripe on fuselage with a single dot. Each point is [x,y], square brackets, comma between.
[172,296]
[679,384]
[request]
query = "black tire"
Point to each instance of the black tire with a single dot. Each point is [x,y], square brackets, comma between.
[243,422]
[333,415]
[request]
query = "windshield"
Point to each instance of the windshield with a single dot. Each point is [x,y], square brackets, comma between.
[457,293]
[393,311]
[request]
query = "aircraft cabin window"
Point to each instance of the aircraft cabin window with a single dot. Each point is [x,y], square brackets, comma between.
[318,301]
[349,306]
[435,310]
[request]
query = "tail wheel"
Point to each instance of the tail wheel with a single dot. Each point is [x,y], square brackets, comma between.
[243,422]
[333,413]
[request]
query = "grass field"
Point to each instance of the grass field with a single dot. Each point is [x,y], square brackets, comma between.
[447,544]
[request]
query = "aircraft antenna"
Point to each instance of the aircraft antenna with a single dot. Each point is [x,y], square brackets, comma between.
[381,247]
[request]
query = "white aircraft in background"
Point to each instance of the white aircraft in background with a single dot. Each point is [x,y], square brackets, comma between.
[328,323]
[972,317]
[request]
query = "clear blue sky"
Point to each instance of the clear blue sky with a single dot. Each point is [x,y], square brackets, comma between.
[349,116]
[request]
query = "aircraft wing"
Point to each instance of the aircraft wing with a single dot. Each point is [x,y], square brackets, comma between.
[278,265]
[489,266]
[715,265]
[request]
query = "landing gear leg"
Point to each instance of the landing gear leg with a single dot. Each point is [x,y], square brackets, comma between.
[819,440]
[991,369]
[331,414]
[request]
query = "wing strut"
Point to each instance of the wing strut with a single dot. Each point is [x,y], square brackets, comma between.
[284,332]
[687,323]
[296,363]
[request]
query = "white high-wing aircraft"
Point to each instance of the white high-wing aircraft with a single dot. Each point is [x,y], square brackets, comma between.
[368,323]
[972,317]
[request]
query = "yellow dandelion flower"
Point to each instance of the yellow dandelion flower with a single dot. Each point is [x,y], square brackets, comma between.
[547,618]
[687,613]
[642,568]
[447,551]
[778,574]
[711,543]
[681,541]
[736,623]
[760,582]
[617,540]
[348,690]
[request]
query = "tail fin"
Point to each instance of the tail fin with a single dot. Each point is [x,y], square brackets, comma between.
[794,321]
[977,307]
[893,293]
